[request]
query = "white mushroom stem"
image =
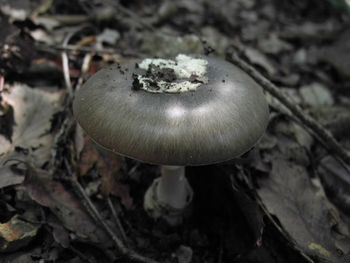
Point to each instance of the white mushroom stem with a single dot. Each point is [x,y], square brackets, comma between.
[169,195]
[172,187]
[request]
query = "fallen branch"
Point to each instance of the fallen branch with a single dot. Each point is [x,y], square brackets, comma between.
[323,134]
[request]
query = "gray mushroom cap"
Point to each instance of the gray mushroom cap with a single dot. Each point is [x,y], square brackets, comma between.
[220,120]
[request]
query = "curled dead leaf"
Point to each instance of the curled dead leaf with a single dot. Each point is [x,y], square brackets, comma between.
[16,234]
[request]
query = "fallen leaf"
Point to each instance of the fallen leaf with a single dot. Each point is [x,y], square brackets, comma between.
[33,111]
[252,32]
[64,205]
[109,168]
[59,233]
[161,44]
[337,54]
[17,13]
[335,118]
[215,39]
[16,47]
[273,44]
[308,31]
[89,155]
[316,95]
[20,257]
[301,208]
[336,181]
[293,140]
[16,234]
[258,58]
[108,165]
[9,177]
[108,36]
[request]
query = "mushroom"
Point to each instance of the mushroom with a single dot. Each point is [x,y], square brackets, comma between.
[187,111]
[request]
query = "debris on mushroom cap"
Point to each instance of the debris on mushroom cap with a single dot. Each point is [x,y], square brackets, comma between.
[220,119]
[183,74]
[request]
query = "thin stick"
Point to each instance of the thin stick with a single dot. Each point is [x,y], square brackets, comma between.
[65,66]
[117,220]
[84,69]
[324,135]
[74,48]
[82,255]
[2,82]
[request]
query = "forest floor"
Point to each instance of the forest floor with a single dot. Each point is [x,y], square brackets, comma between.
[64,200]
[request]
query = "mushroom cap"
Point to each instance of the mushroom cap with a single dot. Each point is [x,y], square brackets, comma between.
[219,121]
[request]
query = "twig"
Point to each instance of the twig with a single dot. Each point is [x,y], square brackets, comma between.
[84,69]
[130,254]
[2,82]
[81,255]
[322,134]
[97,216]
[117,220]
[65,66]
[67,20]
[74,49]
[65,60]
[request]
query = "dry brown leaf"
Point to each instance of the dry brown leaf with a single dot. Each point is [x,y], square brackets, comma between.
[89,156]
[109,168]
[108,165]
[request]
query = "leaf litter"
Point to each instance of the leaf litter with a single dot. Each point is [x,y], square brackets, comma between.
[285,174]
[299,204]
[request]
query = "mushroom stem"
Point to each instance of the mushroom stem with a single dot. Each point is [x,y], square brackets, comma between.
[169,195]
[172,186]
